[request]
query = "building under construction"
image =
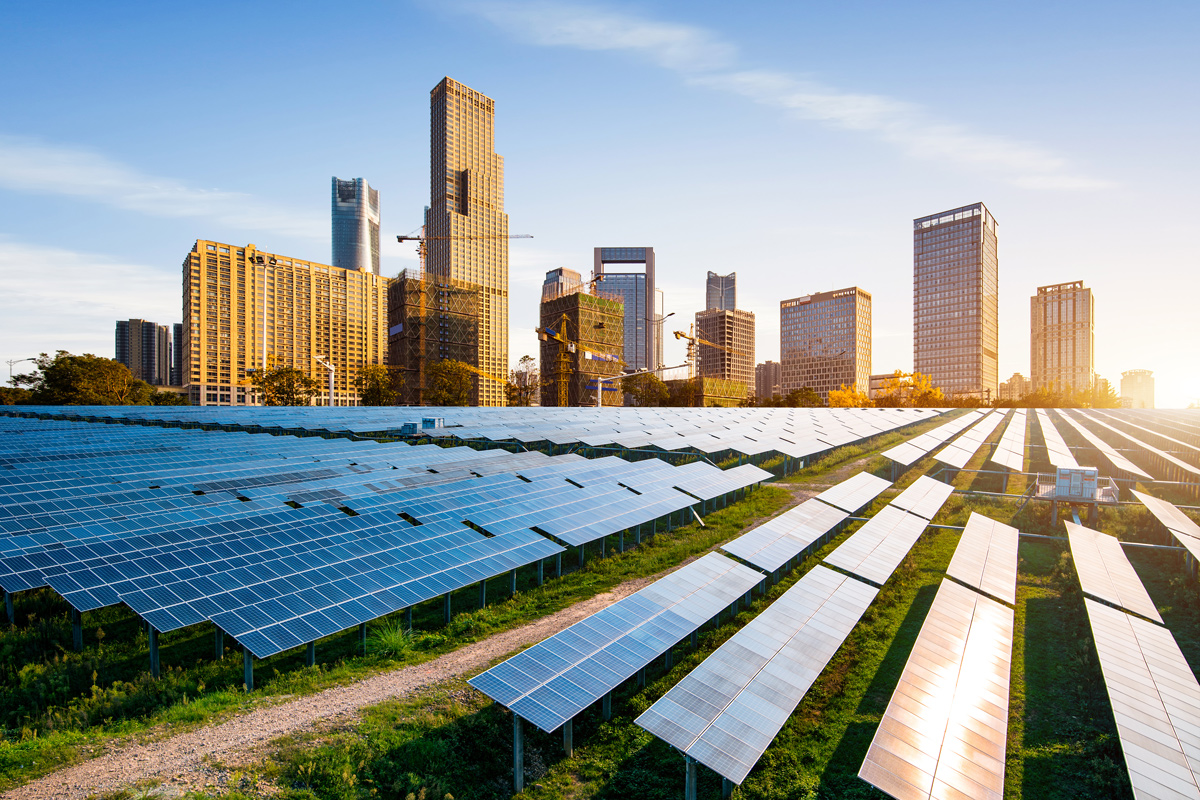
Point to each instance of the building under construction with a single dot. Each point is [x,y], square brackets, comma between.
[593,325]
[431,319]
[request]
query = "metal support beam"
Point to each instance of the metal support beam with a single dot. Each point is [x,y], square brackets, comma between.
[8,608]
[448,608]
[483,593]
[518,756]
[310,655]
[218,643]
[606,706]
[247,670]
[641,678]
[726,788]
[581,546]
[569,737]
[77,629]
[667,658]
[154,663]
[558,565]
[637,536]
[695,639]
[689,780]
[512,581]
[362,638]
[621,545]
[541,572]
[408,619]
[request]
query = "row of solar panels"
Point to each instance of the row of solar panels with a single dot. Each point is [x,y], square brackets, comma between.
[1010,453]
[797,433]
[961,450]
[908,453]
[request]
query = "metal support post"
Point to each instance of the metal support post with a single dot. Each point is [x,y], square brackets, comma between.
[581,546]
[310,655]
[726,788]
[154,668]
[689,781]
[483,593]
[695,639]
[637,536]
[408,619]
[8,608]
[558,566]
[219,643]
[606,706]
[667,659]
[541,572]
[569,737]
[512,581]
[362,637]
[621,545]
[518,756]
[641,678]
[77,629]
[448,609]
[247,670]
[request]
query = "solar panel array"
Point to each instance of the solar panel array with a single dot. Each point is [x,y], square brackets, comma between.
[986,558]
[1155,701]
[1116,461]
[923,497]
[1057,452]
[725,712]
[908,453]
[1169,437]
[1169,466]
[1182,527]
[854,493]
[281,541]
[945,729]
[877,548]
[1010,453]
[551,682]
[1105,573]
[961,450]
[794,432]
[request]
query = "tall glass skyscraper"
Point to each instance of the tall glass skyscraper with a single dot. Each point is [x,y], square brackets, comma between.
[355,225]
[465,225]
[643,339]
[721,292]
[956,309]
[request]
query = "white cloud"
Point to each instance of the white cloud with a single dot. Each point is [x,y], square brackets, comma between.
[703,58]
[38,315]
[31,166]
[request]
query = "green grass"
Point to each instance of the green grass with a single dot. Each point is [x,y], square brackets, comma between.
[63,706]
[1062,742]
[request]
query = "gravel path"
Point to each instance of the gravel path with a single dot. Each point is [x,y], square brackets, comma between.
[181,762]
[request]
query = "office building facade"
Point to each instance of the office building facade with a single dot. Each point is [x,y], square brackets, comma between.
[177,354]
[594,325]
[720,291]
[767,380]
[430,319]
[466,226]
[733,358]
[145,347]
[956,301]
[825,341]
[1137,388]
[1062,338]
[643,319]
[244,308]
[355,225]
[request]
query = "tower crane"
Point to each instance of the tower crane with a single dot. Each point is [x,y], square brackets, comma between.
[422,240]
[693,341]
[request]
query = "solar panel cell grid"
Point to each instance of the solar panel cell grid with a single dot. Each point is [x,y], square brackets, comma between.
[1105,572]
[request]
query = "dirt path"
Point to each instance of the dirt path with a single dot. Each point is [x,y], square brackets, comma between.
[180,763]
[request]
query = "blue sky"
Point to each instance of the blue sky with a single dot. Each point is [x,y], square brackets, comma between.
[791,142]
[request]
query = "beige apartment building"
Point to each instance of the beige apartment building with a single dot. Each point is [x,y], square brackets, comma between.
[956,301]
[243,307]
[466,226]
[1062,340]
[733,358]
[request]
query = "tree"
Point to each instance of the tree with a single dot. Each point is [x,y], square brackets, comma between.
[282,385]
[12,396]
[804,397]
[86,380]
[909,390]
[686,394]
[160,398]
[377,385]
[848,397]
[522,388]
[645,389]
[448,383]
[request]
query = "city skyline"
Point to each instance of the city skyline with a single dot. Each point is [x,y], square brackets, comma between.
[858,143]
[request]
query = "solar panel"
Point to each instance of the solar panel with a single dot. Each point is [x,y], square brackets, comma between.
[1174,520]
[1010,452]
[1165,460]
[1105,572]
[1057,452]
[944,732]
[1155,702]
[877,548]
[908,453]
[854,493]
[725,712]
[1117,461]
[554,680]
[986,558]
[924,497]
[771,545]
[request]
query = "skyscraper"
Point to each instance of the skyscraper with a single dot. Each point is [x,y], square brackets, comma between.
[177,354]
[767,380]
[1137,388]
[721,291]
[594,322]
[144,347]
[430,319]
[733,358]
[956,301]
[466,226]
[643,337]
[825,341]
[355,225]
[1062,338]
[243,307]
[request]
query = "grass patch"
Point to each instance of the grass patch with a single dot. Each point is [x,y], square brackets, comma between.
[63,706]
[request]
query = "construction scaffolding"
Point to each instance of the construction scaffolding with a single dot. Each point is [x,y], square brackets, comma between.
[431,319]
[593,326]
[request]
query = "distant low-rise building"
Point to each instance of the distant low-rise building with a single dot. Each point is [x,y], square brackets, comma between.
[1137,388]
[1015,387]
[767,380]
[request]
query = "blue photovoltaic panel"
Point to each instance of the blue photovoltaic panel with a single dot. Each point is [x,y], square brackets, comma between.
[725,712]
[771,545]
[553,681]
